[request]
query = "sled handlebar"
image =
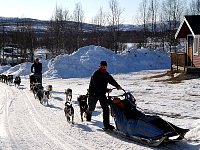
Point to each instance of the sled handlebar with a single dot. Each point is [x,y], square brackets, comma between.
[117,89]
[110,90]
[126,96]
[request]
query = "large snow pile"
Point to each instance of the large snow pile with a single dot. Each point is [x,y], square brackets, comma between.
[84,61]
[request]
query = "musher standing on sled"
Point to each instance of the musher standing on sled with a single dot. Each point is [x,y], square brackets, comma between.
[36,68]
[97,91]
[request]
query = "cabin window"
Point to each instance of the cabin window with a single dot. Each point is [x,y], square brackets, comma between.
[196,46]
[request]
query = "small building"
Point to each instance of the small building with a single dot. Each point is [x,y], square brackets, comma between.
[189,31]
[42,54]
[10,55]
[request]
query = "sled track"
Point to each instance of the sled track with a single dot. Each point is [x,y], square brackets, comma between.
[170,115]
[36,117]
[6,136]
[68,143]
[20,118]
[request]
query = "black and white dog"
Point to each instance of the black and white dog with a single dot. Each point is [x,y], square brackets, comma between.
[49,89]
[4,78]
[69,110]
[45,97]
[33,81]
[82,99]
[38,90]
[17,81]
[10,79]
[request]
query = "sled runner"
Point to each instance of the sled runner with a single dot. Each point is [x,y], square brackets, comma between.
[138,139]
[137,126]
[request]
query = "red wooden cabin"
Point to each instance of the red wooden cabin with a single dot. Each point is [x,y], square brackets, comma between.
[189,30]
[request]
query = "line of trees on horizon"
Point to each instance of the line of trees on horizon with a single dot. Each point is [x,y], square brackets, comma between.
[65,33]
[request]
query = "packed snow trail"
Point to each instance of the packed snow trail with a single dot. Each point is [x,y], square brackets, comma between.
[32,129]
[7,140]
[26,124]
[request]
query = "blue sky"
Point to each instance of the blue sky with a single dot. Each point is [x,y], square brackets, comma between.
[44,9]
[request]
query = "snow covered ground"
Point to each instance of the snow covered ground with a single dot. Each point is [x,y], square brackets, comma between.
[25,124]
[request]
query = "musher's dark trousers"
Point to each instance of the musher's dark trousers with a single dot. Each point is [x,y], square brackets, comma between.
[92,101]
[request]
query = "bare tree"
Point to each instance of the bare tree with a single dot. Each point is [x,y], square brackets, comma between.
[163,29]
[194,7]
[153,13]
[114,22]
[57,35]
[78,17]
[99,22]
[172,13]
[68,33]
[143,19]
[100,18]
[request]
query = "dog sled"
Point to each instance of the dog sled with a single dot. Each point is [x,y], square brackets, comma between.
[137,126]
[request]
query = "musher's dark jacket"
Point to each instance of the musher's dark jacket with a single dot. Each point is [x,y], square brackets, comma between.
[99,82]
[37,68]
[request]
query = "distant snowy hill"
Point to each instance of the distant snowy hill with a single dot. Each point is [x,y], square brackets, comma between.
[41,24]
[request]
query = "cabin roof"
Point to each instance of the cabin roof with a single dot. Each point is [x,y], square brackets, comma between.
[190,25]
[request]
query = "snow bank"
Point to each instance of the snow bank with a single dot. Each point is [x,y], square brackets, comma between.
[83,62]
[194,133]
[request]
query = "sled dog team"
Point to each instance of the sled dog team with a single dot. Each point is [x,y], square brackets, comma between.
[69,110]
[38,90]
[97,89]
[44,95]
[9,79]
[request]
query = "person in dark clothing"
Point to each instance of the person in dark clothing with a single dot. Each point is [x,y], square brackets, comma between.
[36,68]
[97,91]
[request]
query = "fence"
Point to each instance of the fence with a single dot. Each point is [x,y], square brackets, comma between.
[178,60]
